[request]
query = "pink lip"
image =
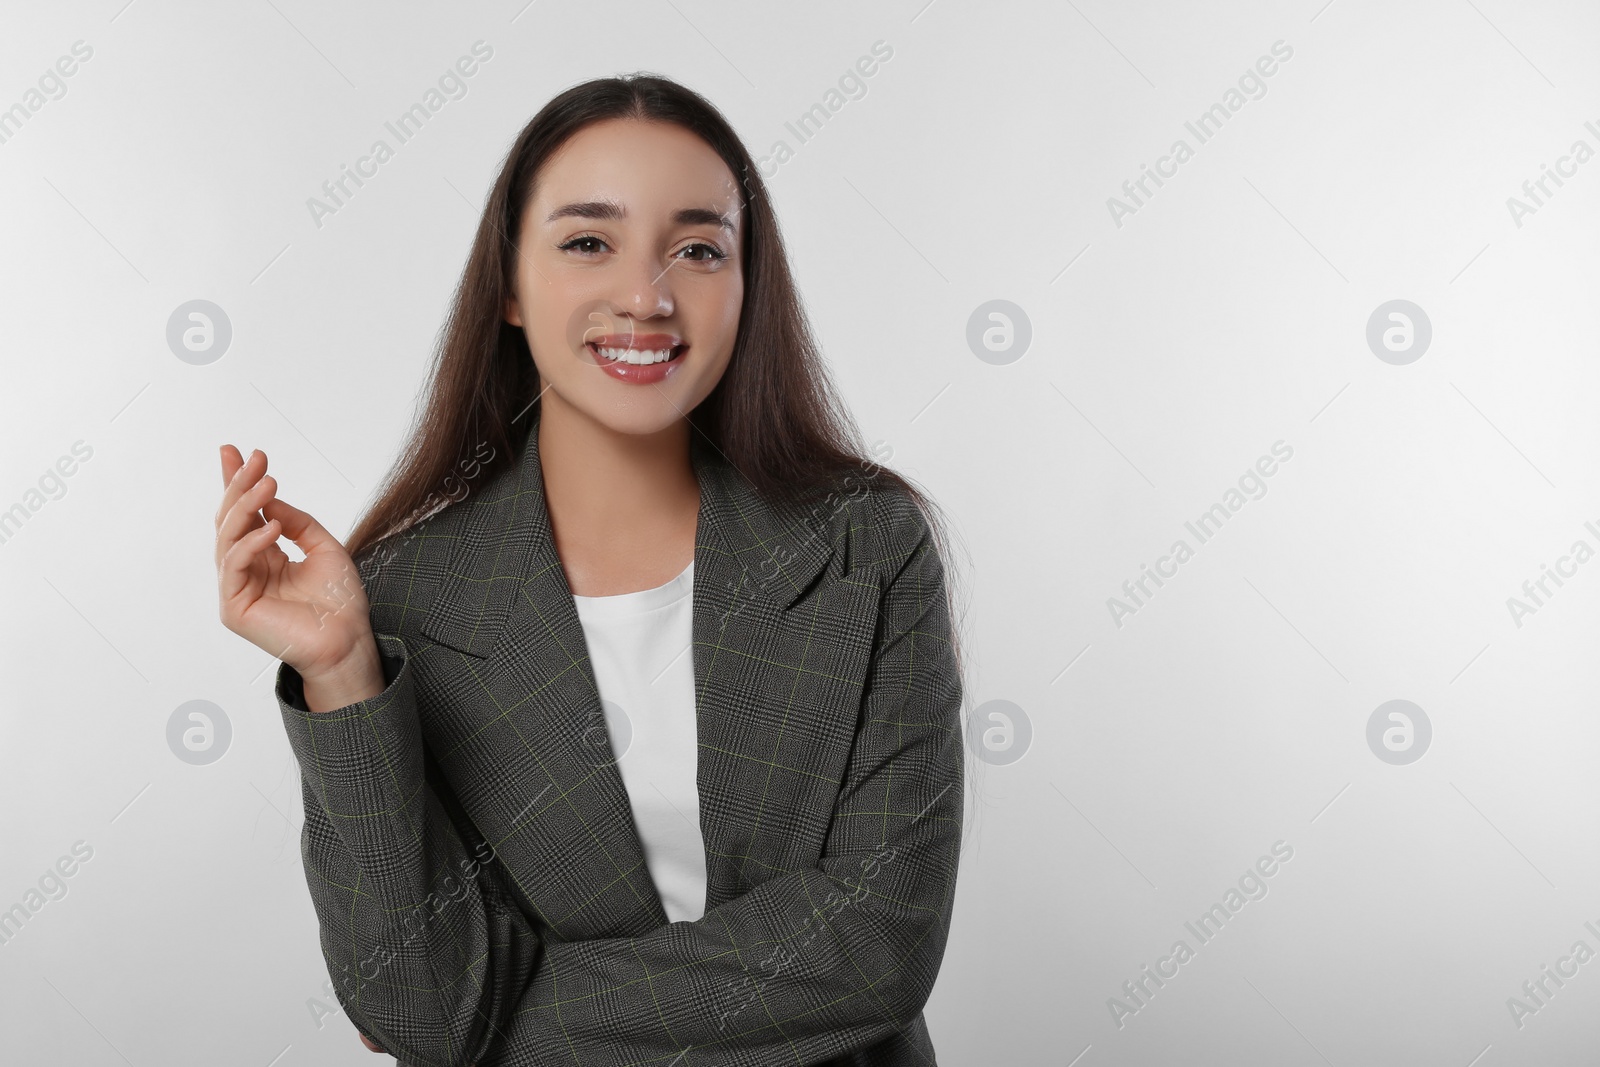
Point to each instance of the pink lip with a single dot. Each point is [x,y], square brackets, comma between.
[639,373]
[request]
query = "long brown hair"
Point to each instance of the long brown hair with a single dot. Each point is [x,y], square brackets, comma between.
[774,414]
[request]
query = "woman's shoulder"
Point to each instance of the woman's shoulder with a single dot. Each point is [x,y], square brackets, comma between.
[879,520]
[401,570]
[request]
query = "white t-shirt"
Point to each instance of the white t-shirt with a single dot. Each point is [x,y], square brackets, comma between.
[641,648]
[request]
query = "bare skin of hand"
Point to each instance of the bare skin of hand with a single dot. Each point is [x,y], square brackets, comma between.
[312,614]
[373,1045]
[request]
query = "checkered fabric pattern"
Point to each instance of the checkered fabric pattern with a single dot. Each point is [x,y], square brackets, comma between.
[471,855]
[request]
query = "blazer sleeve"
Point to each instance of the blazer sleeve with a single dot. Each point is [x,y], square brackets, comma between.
[423,949]
[811,964]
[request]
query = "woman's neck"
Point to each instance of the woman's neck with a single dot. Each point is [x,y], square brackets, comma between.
[623,507]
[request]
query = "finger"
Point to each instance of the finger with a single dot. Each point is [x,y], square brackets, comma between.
[373,1045]
[233,573]
[300,527]
[244,517]
[231,462]
[248,474]
[232,465]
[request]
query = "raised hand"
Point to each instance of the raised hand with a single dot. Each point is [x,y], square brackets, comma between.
[313,614]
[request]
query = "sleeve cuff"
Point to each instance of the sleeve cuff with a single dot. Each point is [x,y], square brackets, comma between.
[290,687]
[363,764]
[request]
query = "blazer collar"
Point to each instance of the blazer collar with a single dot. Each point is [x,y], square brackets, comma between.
[772,554]
[557,808]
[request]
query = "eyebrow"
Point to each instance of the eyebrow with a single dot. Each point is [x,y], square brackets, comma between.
[610,209]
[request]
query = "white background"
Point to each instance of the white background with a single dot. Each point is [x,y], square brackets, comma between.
[1228,313]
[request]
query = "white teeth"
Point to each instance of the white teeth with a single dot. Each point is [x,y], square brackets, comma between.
[635,355]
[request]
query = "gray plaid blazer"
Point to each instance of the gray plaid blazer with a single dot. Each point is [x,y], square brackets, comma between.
[479,884]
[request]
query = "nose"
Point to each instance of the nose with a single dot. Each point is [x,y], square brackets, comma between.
[646,289]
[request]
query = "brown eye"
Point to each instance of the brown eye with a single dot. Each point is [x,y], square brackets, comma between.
[586,239]
[712,252]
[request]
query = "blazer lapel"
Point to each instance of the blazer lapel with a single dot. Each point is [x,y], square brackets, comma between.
[779,656]
[524,745]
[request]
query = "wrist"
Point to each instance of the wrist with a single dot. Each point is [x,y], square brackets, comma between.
[357,677]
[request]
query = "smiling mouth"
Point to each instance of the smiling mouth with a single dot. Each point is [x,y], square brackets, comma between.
[637,356]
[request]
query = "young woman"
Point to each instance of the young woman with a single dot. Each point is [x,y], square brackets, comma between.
[629,717]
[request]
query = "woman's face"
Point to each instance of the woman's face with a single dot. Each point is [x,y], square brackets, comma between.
[630,248]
